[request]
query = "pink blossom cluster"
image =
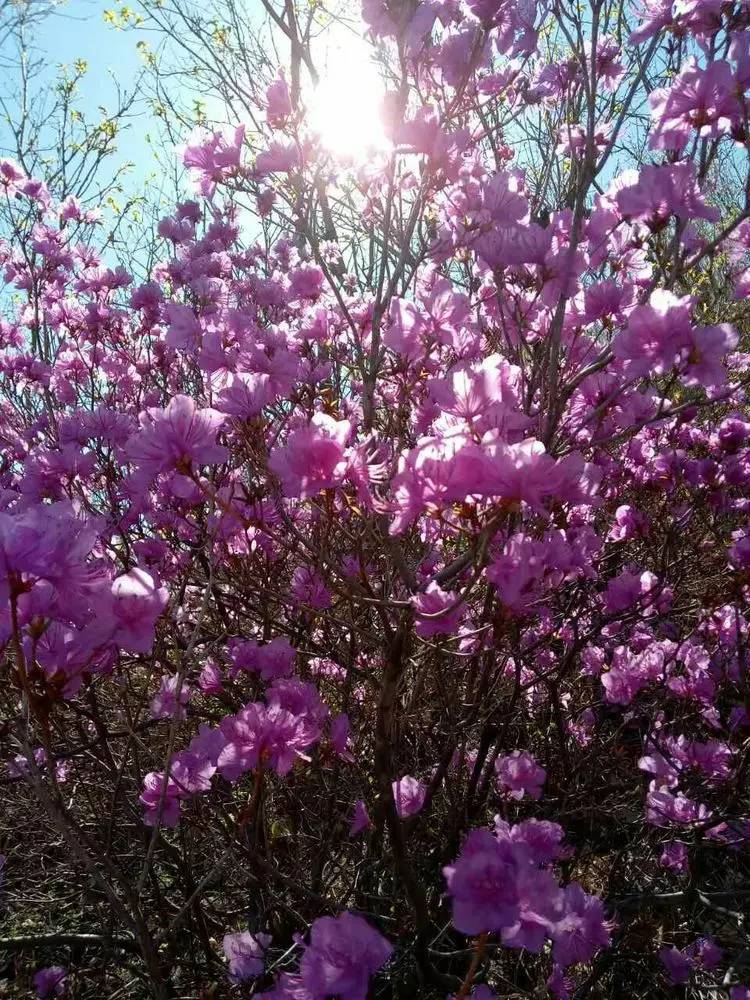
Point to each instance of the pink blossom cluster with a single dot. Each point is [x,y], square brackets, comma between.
[318,554]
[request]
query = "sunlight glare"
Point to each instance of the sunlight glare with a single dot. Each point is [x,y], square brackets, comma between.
[345,108]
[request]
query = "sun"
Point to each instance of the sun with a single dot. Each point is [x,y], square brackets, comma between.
[344,110]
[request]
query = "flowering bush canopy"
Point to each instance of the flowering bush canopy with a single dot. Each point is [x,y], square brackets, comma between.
[373,590]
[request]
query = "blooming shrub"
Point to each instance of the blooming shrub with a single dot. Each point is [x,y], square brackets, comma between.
[387,621]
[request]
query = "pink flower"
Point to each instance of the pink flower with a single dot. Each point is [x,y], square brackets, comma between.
[245,394]
[343,954]
[277,159]
[151,799]
[710,345]
[246,954]
[519,775]
[313,457]
[657,192]
[184,330]
[405,329]
[662,808]
[445,611]
[700,99]
[438,470]
[408,795]
[263,737]
[656,335]
[271,660]
[137,601]
[171,700]
[522,472]
[306,282]
[213,156]
[10,174]
[278,102]
[179,437]
[308,588]
[360,820]
[210,680]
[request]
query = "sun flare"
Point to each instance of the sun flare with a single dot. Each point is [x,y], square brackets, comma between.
[344,110]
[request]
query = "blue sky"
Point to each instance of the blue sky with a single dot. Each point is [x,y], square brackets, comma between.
[77,30]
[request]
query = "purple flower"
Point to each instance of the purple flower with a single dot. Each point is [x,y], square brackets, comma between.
[47,546]
[308,588]
[582,931]
[678,966]
[210,680]
[519,774]
[705,952]
[183,331]
[50,982]
[662,807]
[246,954]
[170,701]
[624,590]
[629,523]
[541,838]
[299,698]
[657,192]
[483,884]
[176,437]
[408,795]
[445,612]
[137,602]
[674,856]
[278,101]
[539,899]
[343,954]
[360,820]
[339,736]
[559,985]
[313,457]
[261,737]
[191,772]
[273,659]
[151,799]
[700,99]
